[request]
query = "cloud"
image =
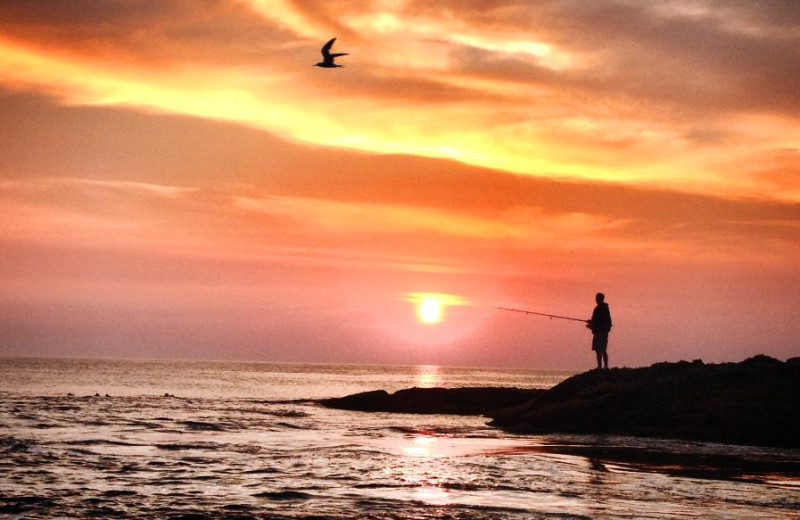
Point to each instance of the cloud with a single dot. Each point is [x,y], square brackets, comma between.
[156,34]
[420,216]
[779,168]
[106,162]
[123,232]
[349,218]
[630,92]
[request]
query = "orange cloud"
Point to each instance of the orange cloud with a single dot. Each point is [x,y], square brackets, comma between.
[520,97]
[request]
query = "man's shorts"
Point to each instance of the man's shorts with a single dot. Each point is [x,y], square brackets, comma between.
[600,342]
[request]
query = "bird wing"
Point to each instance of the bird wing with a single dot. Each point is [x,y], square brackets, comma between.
[337,54]
[326,49]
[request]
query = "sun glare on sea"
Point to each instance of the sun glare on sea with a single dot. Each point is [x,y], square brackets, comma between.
[430,307]
[427,376]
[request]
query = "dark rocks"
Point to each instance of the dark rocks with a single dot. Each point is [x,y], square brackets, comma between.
[755,402]
[455,401]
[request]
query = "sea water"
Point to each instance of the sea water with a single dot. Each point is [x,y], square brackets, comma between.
[202,440]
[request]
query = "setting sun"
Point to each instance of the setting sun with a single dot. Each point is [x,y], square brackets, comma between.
[429,311]
[430,306]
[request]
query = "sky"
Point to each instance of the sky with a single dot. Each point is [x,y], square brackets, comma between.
[179,181]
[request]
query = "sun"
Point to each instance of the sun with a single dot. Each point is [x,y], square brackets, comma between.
[430,307]
[429,310]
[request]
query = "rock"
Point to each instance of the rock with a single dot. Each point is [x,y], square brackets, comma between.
[755,402]
[375,401]
[761,359]
[455,401]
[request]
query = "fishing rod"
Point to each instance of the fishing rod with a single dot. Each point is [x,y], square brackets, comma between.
[542,314]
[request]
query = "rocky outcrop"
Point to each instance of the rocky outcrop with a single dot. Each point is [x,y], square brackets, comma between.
[456,401]
[755,402]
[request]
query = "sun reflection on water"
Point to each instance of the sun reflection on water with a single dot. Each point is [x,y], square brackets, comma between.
[422,446]
[432,495]
[427,376]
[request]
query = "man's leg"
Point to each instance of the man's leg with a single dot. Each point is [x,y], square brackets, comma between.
[599,345]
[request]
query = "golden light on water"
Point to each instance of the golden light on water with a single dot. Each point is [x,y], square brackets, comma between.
[421,446]
[427,376]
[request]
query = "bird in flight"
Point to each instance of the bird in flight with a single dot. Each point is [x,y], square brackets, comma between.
[328,57]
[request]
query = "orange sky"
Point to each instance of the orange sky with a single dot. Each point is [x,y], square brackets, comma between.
[178,180]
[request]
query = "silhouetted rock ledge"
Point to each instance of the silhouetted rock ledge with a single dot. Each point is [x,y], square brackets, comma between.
[755,402]
[455,401]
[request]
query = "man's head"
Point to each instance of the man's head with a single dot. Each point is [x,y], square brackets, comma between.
[599,297]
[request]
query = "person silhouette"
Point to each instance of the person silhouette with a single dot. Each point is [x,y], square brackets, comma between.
[600,325]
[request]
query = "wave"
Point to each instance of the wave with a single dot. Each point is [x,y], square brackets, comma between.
[187,446]
[283,495]
[11,445]
[261,471]
[97,442]
[201,425]
[112,493]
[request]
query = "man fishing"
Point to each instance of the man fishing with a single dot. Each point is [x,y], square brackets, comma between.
[600,325]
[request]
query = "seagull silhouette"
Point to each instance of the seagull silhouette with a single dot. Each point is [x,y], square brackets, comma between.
[328,57]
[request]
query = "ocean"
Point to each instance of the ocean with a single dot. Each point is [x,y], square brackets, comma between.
[195,440]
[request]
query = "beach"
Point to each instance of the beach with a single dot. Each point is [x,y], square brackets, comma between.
[204,440]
